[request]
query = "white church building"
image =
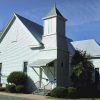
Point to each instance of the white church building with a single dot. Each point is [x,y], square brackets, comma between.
[44,53]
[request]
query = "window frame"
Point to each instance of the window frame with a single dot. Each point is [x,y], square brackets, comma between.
[97,77]
[25,64]
[49,25]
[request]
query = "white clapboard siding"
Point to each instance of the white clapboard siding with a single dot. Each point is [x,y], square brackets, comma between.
[15,52]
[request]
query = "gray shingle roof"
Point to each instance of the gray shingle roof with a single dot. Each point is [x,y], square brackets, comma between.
[90,46]
[34,28]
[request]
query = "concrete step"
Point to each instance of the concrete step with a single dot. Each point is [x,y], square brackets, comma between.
[41,92]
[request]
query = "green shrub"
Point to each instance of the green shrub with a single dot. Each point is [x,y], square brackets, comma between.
[18,78]
[59,92]
[11,88]
[20,89]
[88,92]
[2,89]
[72,92]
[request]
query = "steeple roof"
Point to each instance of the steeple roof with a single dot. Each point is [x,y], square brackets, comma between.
[54,12]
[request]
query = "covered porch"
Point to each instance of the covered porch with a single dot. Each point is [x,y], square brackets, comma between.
[46,66]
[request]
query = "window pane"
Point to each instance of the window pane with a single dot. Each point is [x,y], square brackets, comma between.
[25,67]
[49,25]
[97,76]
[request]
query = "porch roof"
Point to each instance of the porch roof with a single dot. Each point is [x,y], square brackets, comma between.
[41,62]
[43,57]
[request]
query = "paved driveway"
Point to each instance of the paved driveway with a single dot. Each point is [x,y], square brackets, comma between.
[11,98]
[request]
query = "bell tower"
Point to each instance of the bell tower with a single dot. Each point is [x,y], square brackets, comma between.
[54,38]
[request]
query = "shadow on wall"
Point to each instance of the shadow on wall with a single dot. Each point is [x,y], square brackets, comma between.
[30,85]
[49,72]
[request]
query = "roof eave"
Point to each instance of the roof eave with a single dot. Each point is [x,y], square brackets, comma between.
[7,27]
[48,17]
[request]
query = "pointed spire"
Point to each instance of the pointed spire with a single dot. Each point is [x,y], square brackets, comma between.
[55,4]
[54,12]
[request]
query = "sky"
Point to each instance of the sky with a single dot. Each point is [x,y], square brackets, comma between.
[83,15]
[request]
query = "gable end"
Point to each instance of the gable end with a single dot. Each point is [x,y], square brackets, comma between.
[7,28]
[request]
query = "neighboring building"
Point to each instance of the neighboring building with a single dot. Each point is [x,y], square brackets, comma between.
[44,55]
[93,49]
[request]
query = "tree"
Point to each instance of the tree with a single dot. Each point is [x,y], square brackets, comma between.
[82,69]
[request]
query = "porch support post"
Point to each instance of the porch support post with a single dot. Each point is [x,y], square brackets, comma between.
[40,76]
